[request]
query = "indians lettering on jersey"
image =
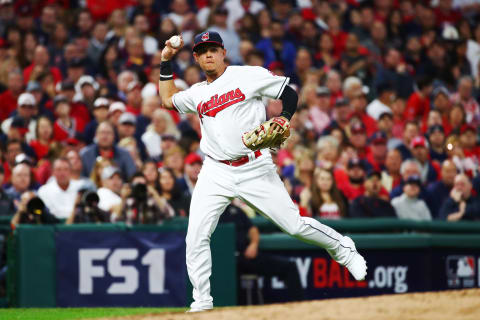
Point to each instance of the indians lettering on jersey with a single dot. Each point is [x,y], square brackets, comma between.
[218,103]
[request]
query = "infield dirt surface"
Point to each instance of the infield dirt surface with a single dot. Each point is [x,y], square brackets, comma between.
[448,305]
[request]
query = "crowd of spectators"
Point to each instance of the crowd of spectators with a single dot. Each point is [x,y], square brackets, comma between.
[387,122]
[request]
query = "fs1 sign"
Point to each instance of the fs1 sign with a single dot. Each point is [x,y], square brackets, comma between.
[120,269]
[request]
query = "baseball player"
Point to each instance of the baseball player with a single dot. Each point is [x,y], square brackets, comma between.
[236,141]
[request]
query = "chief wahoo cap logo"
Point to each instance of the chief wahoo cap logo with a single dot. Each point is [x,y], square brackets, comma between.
[205,36]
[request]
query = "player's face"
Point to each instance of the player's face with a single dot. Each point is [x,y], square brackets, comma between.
[210,58]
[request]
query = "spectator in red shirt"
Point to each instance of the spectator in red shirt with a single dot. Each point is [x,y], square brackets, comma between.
[378,150]
[65,126]
[41,60]
[398,109]
[41,144]
[445,14]
[418,104]
[353,187]
[354,90]
[339,36]
[8,98]
[86,90]
[468,142]
[358,138]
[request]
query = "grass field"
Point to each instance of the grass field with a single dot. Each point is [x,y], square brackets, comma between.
[76,313]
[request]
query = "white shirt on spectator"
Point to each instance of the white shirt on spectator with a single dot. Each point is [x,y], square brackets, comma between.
[153,143]
[376,108]
[60,202]
[108,199]
[236,11]
[150,45]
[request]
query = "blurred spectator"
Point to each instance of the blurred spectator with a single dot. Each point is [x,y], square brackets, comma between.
[418,104]
[436,139]
[130,144]
[142,204]
[378,151]
[60,193]
[408,205]
[170,190]
[276,48]
[341,114]
[461,204]
[44,133]
[8,98]
[41,59]
[174,159]
[353,62]
[391,176]
[468,102]
[353,187]
[371,205]
[21,181]
[410,132]
[184,19]
[323,199]
[7,207]
[104,147]
[76,166]
[357,95]
[428,169]
[65,127]
[151,174]
[109,193]
[229,35]
[25,113]
[382,104]
[438,191]
[468,142]
[100,114]
[86,209]
[193,165]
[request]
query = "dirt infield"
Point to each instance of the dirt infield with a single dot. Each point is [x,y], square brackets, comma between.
[451,305]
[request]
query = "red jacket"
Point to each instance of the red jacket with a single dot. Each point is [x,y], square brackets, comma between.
[56,74]
[8,103]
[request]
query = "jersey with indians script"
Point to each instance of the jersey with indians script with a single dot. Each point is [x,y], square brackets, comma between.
[230,106]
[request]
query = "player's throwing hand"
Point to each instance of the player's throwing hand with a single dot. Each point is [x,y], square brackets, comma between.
[169,51]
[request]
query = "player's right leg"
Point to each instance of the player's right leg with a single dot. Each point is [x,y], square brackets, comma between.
[268,195]
[212,194]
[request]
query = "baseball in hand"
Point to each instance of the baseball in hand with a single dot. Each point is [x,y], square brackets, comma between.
[175,42]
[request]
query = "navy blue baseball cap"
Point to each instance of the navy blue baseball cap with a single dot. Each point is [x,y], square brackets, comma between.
[207,37]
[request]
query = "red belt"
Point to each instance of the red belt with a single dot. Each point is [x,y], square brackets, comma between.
[240,161]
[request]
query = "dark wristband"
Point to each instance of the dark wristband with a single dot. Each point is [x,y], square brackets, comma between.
[166,71]
[289,101]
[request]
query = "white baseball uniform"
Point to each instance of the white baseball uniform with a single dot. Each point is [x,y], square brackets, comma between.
[228,107]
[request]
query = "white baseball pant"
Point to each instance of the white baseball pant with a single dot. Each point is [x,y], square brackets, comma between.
[258,184]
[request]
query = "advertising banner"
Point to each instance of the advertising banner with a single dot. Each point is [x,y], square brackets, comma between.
[118,268]
[389,271]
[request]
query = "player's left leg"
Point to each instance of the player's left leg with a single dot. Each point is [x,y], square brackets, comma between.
[268,195]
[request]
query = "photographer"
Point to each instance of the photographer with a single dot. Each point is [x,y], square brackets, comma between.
[86,209]
[32,210]
[142,204]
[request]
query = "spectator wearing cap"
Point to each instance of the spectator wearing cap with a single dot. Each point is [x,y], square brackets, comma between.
[7,208]
[230,36]
[115,110]
[378,150]
[193,165]
[60,193]
[109,193]
[86,88]
[356,172]
[385,125]
[439,190]
[441,102]
[134,97]
[411,131]
[436,141]
[65,127]
[76,67]
[21,181]
[159,134]
[319,109]
[385,94]
[25,113]
[78,109]
[276,42]
[465,97]
[469,145]
[409,205]
[105,147]
[391,176]
[418,104]
[409,167]
[41,60]
[357,95]
[126,129]
[341,114]
[8,98]
[358,138]
[371,204]
[429,170]
[100,114]
[461,204]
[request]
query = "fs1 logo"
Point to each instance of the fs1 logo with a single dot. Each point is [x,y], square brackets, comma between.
[89,270]
[461,271]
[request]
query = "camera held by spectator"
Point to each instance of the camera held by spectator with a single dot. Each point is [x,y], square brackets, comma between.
[86,209]
[32,210]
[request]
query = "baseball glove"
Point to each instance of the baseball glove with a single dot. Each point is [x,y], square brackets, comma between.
[270,134]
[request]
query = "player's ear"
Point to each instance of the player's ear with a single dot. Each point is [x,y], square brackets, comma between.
[195,56]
